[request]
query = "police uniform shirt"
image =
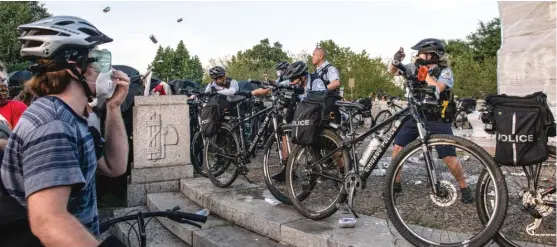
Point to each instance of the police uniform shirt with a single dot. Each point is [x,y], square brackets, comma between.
[445,77]
[331,75]
[234,88]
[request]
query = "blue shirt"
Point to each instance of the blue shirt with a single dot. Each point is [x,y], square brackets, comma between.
[51,146]
[445,77]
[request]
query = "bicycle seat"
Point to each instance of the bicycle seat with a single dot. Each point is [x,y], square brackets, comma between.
[349,105]
[235,98]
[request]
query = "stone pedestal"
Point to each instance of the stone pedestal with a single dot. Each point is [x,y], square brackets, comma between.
[526,60]
[161,146]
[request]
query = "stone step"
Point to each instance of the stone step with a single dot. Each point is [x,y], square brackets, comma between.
[255,209]
[157,234]
[216,232]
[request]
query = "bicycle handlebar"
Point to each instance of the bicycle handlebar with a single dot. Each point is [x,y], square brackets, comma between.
[174,215]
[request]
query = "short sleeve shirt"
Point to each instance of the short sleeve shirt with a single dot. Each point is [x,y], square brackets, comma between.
[445,77]
[51,146]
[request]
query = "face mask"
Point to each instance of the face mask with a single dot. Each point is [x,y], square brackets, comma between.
[104,85]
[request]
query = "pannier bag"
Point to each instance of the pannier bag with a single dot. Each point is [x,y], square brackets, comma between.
[366,102]
[307,120]
[210,114]
[522,125]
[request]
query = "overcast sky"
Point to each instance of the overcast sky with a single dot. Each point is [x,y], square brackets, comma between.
[218,29]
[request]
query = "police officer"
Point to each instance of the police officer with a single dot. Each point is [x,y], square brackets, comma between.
[327,75]
[281,67]
[228,86]
[431,53]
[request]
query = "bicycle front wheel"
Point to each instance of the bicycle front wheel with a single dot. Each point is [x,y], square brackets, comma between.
[196,155]
[425,218]
[219,155]
[274,169]
[315,189]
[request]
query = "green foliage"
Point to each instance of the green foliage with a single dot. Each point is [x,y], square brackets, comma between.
[370,74]
[13,14]
[253,63]
[170,64]
[474,60]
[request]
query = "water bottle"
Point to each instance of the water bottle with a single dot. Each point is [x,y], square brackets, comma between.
[372,146]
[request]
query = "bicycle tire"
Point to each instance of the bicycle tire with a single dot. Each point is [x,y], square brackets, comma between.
[388,114]
[282,197]
[481,192]
[297,199]
[487,233]
[213,176]
[196,155]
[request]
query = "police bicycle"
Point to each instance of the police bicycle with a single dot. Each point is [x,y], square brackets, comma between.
[333,161]
[143,218]
[226,154]
[392,109]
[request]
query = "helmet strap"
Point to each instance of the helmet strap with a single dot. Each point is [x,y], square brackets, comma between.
[81,78]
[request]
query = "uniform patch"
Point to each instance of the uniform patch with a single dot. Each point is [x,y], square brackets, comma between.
[448,74]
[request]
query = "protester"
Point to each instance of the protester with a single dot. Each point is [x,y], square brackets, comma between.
[50,162]
[11,110]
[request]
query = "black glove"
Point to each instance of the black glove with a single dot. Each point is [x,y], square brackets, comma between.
[399,55]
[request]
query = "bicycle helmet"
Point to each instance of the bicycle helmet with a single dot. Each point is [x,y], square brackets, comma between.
[217,72]
[434,46]
[66,40]
[282,65]
[49,37]
[296,70]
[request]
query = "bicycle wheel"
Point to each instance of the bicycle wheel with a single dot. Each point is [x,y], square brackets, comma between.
[196,156]
[382,116]
[224,143]
[272,165]
[311,178]
[438,220]
[525,206]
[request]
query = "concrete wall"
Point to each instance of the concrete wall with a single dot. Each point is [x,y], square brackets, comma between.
[161,145]
[526,59]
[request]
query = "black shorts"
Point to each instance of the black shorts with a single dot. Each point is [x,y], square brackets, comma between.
[409,133]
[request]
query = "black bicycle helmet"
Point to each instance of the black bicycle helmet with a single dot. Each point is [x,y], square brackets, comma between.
[295,70]
[434,46]
[282,65]
[216,72]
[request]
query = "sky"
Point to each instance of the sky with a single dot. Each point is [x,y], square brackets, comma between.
[218,29]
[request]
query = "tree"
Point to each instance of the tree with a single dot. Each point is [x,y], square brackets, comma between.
[254,62]
[487,38]
[170,64]
[13,14]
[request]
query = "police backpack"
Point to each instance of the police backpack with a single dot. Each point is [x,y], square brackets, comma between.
[522,126]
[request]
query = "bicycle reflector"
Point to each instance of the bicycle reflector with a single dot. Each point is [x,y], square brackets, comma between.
[422,73]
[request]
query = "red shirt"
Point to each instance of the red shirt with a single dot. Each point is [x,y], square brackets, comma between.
[12,111]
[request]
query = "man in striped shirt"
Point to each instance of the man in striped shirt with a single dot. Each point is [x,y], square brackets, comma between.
[49,164]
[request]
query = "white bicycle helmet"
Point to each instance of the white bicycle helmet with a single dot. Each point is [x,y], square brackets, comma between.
[48,38]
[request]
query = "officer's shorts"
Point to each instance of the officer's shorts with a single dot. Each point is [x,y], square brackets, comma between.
[409,133]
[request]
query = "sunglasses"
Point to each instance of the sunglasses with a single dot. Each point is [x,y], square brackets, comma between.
[100,60]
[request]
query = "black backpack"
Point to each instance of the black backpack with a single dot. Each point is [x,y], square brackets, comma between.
[210,116]
[522,125]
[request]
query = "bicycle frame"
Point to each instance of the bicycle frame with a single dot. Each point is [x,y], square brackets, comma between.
[272,113]
[399,118]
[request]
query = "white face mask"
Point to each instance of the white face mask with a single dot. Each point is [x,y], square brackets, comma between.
[279,73]
[104,85]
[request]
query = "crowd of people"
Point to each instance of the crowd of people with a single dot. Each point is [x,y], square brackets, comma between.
[56,148]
